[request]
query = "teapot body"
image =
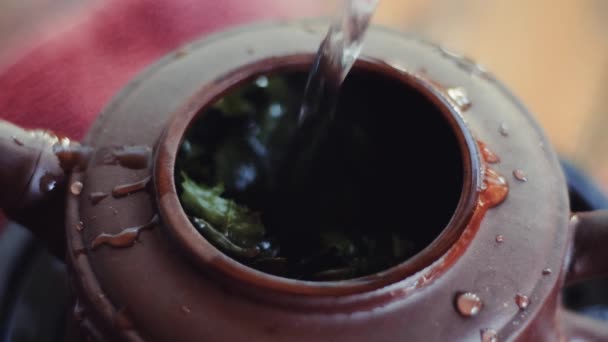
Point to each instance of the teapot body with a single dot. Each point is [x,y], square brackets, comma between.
[139,272]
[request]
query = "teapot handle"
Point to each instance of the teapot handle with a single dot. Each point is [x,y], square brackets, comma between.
[589,250]
[587,259]
[33,182]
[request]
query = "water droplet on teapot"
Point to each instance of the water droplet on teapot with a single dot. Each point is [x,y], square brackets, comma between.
[520,175]
[96,197]
[503,129]
[460,97]
[496,189]
[487,154]
[185,309]
[76,188]
[489,335]
[79,226]
[123,239]
[48,183]
[500,238]
[468,304]
[17,141]
[72,157]
[522,301]
[547,271]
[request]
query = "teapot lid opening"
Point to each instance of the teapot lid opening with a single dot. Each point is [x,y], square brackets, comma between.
[392,192]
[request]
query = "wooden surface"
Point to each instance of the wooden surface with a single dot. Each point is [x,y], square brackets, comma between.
[552,53]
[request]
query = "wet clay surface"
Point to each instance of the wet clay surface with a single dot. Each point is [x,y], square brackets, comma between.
[530,219]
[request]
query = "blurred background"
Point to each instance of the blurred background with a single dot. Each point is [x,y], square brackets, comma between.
[552,53]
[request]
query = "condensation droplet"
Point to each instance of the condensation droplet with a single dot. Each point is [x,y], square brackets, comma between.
[520,175]
[79,226]
[460,97]
[547,271]
[186,309]
[522,301]
[503,129]
[496,191]
[468,304]
[488,335]
[48,182]
[500,238]
[76,188]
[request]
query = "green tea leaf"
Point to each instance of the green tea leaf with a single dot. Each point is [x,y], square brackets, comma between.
[235,222]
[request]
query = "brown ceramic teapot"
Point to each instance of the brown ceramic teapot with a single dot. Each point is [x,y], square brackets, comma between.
[140,271]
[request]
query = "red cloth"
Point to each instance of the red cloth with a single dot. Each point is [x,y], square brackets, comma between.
[63,82]
[66,78]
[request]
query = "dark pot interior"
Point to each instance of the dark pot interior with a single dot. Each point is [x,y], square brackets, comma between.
[388,167]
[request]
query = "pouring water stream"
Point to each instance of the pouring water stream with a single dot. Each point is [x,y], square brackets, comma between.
[335,57]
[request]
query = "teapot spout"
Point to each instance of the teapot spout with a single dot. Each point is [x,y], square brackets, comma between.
[33,182]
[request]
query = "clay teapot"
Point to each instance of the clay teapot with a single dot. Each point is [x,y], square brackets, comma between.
[139,270]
